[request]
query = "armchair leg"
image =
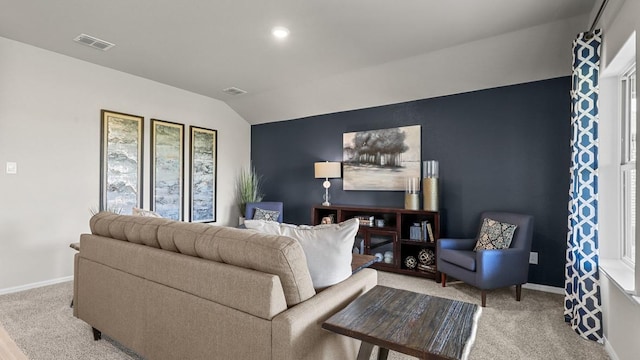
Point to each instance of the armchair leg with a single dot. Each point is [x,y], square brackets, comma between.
[518,292]
[443,279]
[483,295]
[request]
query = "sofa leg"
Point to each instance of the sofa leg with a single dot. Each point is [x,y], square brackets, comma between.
[483,295]
[97,334]
[443,279]
[518,292]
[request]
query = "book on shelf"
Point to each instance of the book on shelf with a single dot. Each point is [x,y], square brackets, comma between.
[427,231]
[430,232]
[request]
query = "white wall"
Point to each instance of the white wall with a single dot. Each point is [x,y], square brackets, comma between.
[621,313]
[50,125]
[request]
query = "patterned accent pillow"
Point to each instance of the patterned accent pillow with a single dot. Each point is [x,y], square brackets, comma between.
[268,215]
[495,235]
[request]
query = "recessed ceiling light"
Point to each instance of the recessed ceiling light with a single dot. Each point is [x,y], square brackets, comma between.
[280,32]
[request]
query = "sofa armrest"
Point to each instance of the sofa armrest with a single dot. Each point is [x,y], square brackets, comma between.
[492,264]
[456,244]
[297,332]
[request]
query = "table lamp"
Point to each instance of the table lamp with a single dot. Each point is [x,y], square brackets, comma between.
[327,170]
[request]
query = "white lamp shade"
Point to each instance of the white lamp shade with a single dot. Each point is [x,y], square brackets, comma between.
[327,170]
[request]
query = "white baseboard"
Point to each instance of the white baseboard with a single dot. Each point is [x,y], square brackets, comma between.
[609,349]
[545,288]
[35,285]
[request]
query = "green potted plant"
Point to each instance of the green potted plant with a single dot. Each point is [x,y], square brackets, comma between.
[248,189]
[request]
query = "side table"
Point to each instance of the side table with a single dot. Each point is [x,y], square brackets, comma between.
[359,262]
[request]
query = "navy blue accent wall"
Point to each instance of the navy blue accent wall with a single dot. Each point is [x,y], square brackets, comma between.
[504,149]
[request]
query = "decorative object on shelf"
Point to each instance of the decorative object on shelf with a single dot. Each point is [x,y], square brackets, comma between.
[366,220]
[379,257]
[327,220]
[167,177]
[327,170]
[431,269]
[415,232]
[380,223]
[427,257]
[411,196]
[121,139]
[430,174]
[410,262]
[204,165]
[381,159]
[248,189]
[388,257]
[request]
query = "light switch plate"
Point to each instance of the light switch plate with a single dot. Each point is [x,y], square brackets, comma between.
[12,167]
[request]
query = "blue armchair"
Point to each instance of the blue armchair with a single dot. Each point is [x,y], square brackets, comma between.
[489,269]
[265,205]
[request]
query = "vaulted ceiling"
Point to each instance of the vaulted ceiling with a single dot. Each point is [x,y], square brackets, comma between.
[340,54]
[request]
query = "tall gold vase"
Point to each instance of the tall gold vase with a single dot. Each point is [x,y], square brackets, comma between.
[430,194]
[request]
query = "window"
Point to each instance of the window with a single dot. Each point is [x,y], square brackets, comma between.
[628,164]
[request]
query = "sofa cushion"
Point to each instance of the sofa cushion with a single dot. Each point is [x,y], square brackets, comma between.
[328,247]
[278,255]
[494,235]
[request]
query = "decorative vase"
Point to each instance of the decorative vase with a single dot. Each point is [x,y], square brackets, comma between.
[411,197]
[430,185]
[240,220]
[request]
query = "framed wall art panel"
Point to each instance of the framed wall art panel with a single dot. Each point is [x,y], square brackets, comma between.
[121,161]
[204,168]
[167,164]
[381,159]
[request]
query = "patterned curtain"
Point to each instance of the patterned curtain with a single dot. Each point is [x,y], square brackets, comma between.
[582,306]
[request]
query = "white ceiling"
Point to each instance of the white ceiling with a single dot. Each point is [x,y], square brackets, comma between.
[205,46]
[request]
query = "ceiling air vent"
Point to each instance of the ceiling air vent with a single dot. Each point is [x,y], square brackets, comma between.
[234,91]
[93,42]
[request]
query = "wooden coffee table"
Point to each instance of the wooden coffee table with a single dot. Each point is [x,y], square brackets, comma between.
[419,325]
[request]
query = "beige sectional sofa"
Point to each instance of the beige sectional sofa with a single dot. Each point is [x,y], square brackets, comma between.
[174,290]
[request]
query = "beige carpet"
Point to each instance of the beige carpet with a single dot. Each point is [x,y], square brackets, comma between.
[41,323]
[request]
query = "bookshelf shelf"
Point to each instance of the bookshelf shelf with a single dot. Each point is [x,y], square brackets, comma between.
[391,241]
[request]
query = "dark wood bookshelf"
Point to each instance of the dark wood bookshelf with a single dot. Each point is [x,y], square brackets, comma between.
[393,237]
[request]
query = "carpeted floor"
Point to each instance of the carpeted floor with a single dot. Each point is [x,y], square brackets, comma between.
[40,321]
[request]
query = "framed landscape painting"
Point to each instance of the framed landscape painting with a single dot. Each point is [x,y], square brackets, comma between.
[167,163]
[120,161]
[204,164]
[381,159]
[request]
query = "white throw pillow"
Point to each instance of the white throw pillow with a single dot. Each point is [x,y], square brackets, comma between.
[142,212]
[327,247]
